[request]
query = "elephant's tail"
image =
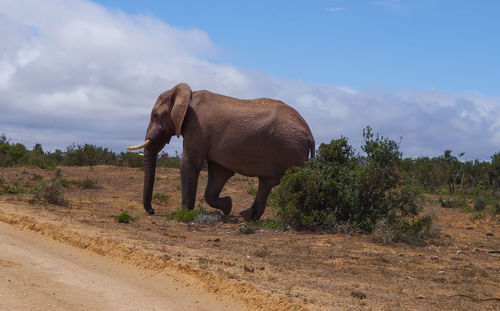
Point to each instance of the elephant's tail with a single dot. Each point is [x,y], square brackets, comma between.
[312,145]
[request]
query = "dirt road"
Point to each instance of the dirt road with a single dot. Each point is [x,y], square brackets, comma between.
[39,274]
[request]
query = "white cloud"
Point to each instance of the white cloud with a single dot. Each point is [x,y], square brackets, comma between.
[389,3]
[73,71]
[335,9]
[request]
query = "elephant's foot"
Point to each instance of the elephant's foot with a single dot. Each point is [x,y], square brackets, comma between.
[226,205]
[247,214]
[150,211]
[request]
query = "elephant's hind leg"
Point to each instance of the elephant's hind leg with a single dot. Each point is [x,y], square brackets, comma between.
[217,177]
[259,204]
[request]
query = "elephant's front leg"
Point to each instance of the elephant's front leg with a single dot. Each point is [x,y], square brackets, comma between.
[189,181]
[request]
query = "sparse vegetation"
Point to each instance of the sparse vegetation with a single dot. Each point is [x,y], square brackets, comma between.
[246,229]
[210,219]
[452,203]
[183,215]
[124,217]
[252,191]
[86,183]
[480,203]
[161,197]
[51,192]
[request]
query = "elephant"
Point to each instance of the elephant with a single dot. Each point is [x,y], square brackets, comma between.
[256,138]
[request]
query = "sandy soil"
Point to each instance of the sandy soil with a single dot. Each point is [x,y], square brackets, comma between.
[268,270]
[40,274]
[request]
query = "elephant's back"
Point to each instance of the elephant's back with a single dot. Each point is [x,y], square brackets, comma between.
[260,137]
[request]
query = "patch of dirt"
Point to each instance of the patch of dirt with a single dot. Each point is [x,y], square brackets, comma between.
[270,269]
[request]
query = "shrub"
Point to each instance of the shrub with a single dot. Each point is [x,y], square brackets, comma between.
[246,229]
[252,191]
[183,215]
[480,203]
[51,192]
[209,219]
[451,203]
[338,189]
[124,217]
[87,183]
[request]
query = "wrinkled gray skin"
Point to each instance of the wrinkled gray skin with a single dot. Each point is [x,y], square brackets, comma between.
[259,137]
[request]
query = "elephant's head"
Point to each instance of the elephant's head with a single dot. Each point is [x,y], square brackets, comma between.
[166,120]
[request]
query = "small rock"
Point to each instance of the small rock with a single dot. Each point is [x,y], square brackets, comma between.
[489,233]
[358,294]
[441,272]
[262,268]
[401,254]
[420,297]
[217,240]
[469,227]
[460,252]
[434,257]
[248,268]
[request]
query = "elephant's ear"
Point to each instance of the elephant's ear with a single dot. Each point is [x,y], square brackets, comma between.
[180,102]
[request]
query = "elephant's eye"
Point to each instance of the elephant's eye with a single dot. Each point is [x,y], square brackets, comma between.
[155,115]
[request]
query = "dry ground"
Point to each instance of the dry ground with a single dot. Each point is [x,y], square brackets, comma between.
[270,269]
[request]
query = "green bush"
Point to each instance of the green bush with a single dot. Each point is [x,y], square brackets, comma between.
[87,183]
[183,215]
[124,217]
[451,203]
[480,203]
[338,189]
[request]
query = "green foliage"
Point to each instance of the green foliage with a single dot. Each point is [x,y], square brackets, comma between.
[164,160]
[480,203]
[130,159]
[252,191]
[124,217]
[161,197]
[12,155]
[449,173]
[415,232]
[84,155]
[183,215]
[270,223]
[86,183]
[452,203]
[340,189]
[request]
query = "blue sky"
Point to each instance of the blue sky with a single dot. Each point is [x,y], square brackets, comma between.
[78,71]
[450,45]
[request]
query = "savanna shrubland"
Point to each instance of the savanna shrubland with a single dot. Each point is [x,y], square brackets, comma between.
[343,191]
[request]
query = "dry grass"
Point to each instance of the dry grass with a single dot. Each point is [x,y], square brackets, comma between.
[321,270]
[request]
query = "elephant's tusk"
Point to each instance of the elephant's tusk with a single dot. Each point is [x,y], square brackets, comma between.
[140,146]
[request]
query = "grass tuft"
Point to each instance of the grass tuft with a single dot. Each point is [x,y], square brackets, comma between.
[124,218]
[183,215]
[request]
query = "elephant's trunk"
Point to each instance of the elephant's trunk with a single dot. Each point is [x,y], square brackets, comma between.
[149,178]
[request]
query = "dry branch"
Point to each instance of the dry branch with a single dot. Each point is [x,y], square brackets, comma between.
[491,251]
